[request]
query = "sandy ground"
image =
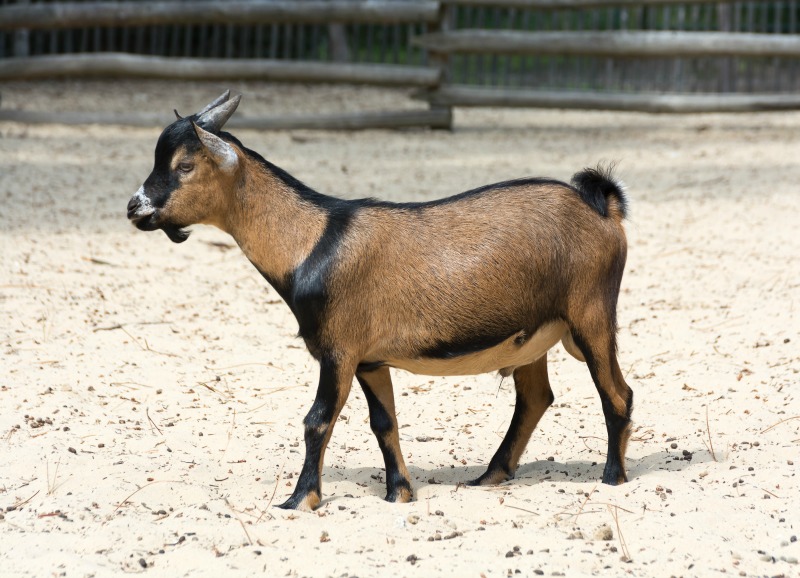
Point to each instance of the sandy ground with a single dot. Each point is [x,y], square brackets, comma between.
[151,394]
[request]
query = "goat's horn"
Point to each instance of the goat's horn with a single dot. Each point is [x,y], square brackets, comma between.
[213,119]
[178,116]
[216,102]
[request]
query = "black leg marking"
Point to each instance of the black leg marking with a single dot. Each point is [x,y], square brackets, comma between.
[617,401]
[334,386]
[377,386]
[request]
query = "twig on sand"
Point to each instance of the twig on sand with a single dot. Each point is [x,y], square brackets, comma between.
[242,365]
[146,346]
[123,502]
[583,505]
[522,509]
[622,544]
[770,493]
[710,443]
[615,506]
[121,325]
[129,384]
[588,447]
[147,413]
[52,486]
[96,261]
[230,431]
[23,502]
[235,513]
[274,490]
[779,423]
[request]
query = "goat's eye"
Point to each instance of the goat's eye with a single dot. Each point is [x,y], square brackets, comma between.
[185,167]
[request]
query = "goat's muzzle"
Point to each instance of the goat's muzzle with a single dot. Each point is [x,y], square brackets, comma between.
[141,211]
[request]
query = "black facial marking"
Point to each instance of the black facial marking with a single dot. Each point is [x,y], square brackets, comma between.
[163,180]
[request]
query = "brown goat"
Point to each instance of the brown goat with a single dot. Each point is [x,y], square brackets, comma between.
[487,280]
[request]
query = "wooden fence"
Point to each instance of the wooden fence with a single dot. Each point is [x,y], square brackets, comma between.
[646,55]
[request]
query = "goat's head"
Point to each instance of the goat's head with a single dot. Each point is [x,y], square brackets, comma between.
[194,167]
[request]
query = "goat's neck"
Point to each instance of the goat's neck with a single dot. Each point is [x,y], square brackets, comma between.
[275,226]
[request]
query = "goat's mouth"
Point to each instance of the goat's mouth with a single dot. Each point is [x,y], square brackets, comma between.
[143,222]
[149,222]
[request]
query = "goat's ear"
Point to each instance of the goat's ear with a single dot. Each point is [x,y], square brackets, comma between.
[223,153]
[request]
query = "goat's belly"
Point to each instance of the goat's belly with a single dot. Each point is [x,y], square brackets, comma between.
[517,350]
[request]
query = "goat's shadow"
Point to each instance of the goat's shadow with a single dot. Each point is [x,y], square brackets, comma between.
[528,473]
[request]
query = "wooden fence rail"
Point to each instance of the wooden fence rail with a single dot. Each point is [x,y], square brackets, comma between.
[434,118]
[468,96]
[626,44]
[119,14]
[108,64]
[573,4]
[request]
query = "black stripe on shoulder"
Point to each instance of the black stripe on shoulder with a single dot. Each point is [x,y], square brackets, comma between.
[309,292]
[282,286]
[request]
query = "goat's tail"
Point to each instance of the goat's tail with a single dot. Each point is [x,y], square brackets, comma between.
[600,190]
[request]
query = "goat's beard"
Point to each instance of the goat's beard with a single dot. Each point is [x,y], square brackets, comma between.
[176,234]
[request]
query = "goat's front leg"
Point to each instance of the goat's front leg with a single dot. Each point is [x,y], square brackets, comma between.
[377,385]
[534,396]
[335,381]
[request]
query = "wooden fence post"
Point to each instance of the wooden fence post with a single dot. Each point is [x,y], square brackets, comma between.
[440,61]
[21,39]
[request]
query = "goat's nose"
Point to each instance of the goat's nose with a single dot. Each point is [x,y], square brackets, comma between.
[133,204]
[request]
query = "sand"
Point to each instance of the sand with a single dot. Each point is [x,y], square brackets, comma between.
[152,394]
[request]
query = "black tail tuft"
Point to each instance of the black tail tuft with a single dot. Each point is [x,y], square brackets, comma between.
[596,185]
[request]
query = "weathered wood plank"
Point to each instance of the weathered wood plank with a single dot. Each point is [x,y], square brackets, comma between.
[673,103]
[348,121]
[573,4]
[84,14]
[129,65]
[611,43]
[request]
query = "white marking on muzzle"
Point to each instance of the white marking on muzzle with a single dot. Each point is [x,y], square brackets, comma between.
[146,208]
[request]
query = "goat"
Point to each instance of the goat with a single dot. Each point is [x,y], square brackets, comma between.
[487,280]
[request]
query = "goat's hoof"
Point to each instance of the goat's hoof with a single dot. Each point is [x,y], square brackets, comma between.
[614,478]
[399,495]
[491,478]
[305,503]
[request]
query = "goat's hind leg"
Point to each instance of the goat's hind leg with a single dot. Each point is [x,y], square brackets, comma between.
[534,396]
[377,386]
[598,345]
